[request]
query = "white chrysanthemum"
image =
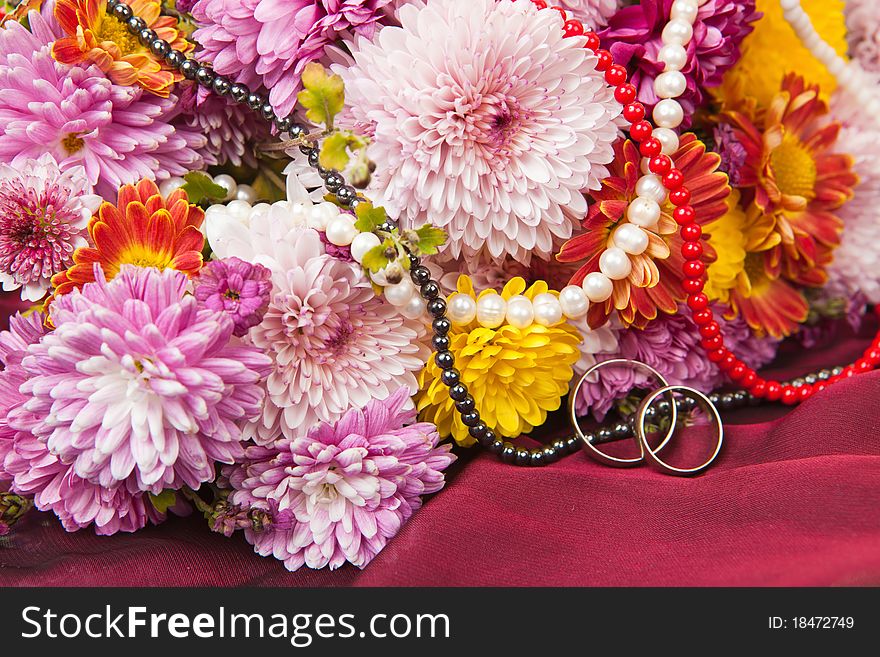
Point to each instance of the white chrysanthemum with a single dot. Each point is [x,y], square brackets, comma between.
[484,121]
[334,344]
[856,265]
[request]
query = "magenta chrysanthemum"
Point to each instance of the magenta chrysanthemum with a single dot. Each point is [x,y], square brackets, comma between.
[237,288]
[491,129]
[334,344]
[138,386]
[633,34]
[44,213]
[118,134]
[350,485]
[267,43]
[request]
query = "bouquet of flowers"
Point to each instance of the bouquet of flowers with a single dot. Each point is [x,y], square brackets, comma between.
[278,261]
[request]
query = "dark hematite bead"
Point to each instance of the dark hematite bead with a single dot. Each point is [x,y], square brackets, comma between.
[136,24]
[321,170]
[268,112]
[239,92]
[797,383]
[824,375]
[122,12]
[420,275]
[458,392]
[622,430]
[175,59]
[550,455]
[591,438]
[314,156]
[522,456]
[189,68]
[388,226]
[811,379]
[255,101]
[160,48]
[440,342]
[466,405]
[356,201]
[536,458]
[496,446]
[663,407]
[715,398]
[604,434]
[283,124]
[651,412]
[478,430]
[306,149]
[146,36]
[559,446]
[221,85]
[726,401]
[450,377]
[740,398]
[572,444]
[437,307]
[414,261]
[508,452]
[111,4]
[296,130]
[430,290]
[346,194]
[441,325]
[205,76]
[470,419]
[333,181]
[444,359]
[836,371]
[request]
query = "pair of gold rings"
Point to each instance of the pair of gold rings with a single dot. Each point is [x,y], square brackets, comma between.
[646,451]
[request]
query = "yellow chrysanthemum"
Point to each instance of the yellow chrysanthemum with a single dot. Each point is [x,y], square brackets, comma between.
[727,236]
[773,50]
[516,376]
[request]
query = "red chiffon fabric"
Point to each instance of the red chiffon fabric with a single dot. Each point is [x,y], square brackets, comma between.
[794,499]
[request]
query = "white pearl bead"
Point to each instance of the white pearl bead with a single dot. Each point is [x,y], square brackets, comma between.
[677,31]
[574,301]
[650,186]
[685,10]
[673,56]
[246,193]
[598,287]
[399,294]
[520,312]
[491,310]
[461,309]
[341,230]
[668,140]
[168,187]
[615,263]
[228,183]
[415,309]
[548,310]
[240,210]
[643,212]
[670,84]
[645,166]
[668,113]
[362,244]
[631,239]
[321,215]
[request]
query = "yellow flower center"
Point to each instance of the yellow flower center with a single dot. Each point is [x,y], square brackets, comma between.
[73,143]
[794,168]
[110,29]
[142,257]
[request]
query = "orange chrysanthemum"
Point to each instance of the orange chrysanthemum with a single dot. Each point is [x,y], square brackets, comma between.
[792,175]
[94,36]
[141,229]
[654,284]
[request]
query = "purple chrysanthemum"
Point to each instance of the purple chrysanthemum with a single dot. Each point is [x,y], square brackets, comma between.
[634,37]
[267,43]
[350,485]
[139,387]
[118,134]
[237,288]
[733,153]
[44,213]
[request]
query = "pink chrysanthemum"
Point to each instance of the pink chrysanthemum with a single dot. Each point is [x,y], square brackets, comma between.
[350,485]
[491,127]
[44,213]
[334,344]
[237,288]
[267,43]
[139,387]
[863,32]
[593,13]
[118,134]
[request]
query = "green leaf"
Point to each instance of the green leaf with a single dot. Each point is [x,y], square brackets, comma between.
[201,187]
[334,152]
[430,239]
[368,217]
[164,500]
[379,257]
[322,96]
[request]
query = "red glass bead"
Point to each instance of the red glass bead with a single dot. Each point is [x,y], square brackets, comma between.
[661,165]
[634,112]
[710,330]
[691,250]
[625,93]
[748,380]
[702,317]
[738,371]
[710,344]
[758,387]
[805,392]
[650,147]
[615,75]
[728,362]
[698,301]
[540,4]
[680,196]
[693,269]
[873,355]
[561,11]
[691,232]
[593,44]
[693,285]
[673,180]
[820,386]
[789,396]
[684,215]
[573,27]
[603,60]
[861,366]
[641,130]
[774,390]
[848,372]
[716,356]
